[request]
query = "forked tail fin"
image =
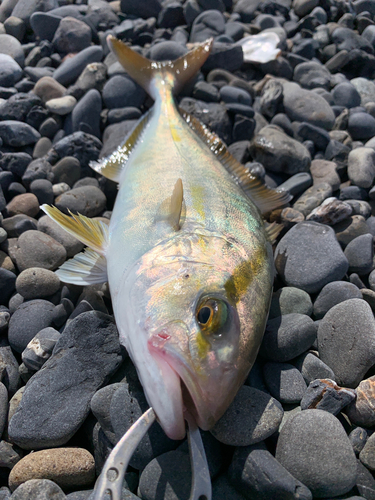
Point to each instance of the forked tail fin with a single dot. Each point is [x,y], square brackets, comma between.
[143,71]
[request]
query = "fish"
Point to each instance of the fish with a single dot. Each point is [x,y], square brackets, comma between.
[187,254]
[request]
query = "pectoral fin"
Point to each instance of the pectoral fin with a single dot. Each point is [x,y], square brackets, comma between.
[171,208]
[90,232]
[273,230]
[86,268]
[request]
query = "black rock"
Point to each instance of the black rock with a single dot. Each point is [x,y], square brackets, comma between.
[7,285]
[324,394]
[18,106]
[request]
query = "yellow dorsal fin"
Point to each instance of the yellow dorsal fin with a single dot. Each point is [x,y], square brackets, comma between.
[91,232]
[112,166]
[266,199]
[143,70]
[170,209]
[273,230]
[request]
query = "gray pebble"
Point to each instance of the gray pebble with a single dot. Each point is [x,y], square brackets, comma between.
[68,72]
[288,300]
[48,88]
[284,382]
[37,283]
[44,25]
[346,340]
[86,115]
[29,318]
[287,336]
[367,455]
[84,357]
[72,35]
[313,197]
[350,228]
[51,228]
[38,489]
[361,126]
[333,294]
[100,406]
[360,254]
[10,454]
[18,134]
[10,72]
[86,200]
[361,166]
[84,147]
[257,474]
[325,394]
[3,407]
[9,369]
[121,90]
[311,75]
[297,183]
[358,438]
[37,249]
[312,367]
[326,262]
[67,170]
[11,46]
[261,413]
[360,207]
[365,88]
[40,348]
[325,171]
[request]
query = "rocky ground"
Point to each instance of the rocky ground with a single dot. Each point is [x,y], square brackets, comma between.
[302,425]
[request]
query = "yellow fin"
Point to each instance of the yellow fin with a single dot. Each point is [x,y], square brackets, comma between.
[86,268]
[273,230]
[266,199]
[112,166]
[171,208]
[93,233]
[143,70]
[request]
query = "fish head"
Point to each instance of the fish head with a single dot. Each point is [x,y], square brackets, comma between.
[201,319]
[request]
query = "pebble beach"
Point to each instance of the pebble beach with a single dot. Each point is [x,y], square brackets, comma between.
[302,426]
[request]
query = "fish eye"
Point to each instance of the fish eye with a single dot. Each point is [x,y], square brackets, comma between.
[211,315]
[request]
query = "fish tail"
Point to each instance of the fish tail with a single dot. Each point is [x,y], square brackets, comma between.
[144,71]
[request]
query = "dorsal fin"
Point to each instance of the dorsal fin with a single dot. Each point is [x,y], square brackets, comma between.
[266,199]
[170,209]
[113,165]
[143,71]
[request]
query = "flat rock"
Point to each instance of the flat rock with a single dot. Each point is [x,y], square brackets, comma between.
[330,212]
[325,171]
[61,105]
[325,394]
[67,467]
[278,152]
[326,261]
[346,341]
[68,72]
[84,357]
[314,447]
[72,35]
[252,417]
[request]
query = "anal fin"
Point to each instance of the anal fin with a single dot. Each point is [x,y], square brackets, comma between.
[171,208]
[266,199]
[86,268]
[113,165]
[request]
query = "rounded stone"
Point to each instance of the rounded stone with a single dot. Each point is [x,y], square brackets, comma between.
[86,200]
[360,254]
[346,341]
[26,203]
[40,348]
[325,171]
[67,170]
[345,94]
[315,449]
[312,368]
[11,46]
[287,336]
[38,489]
[18,134]
[67,467]
[332,294]
[120,91]
[350,228]
[284,382]
[361,167]
[47,88]
[72,35]
[69,242]
[326,261]
[37,249]
[361,126]
[10,71]
[311,75]
[288,300]
[62,105]
[68,72]
[37,283]
[365,88]
[252,417]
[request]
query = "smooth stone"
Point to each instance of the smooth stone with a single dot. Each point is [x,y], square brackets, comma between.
[28,319]
[367,455]
[326,263]
[284,382]
[36,249]
[222,489]
[100,407]
[72,35]
[141,8]
[317,135]
[37,283]
[38,489]
[325,394]
[86,200]
[122,91]
[325,171]
[311,75]
[121,114]
[67,467]
[360,254]
[69,242]
[42,147]
[256,473]
[288,300]
[210,23]
[312,367]
[361,126]
[40,348]
[278,152]
[68,72]
[287,336]
[361,411]
[230,94]
[365,482]
[346,341]
[10,71]
[62,105]
[297,183]
[11,46]
[9,369]
[18,134]
[38,169]
[360,207]
[26,203]
[314,447]
[307,106]
[358,437]
[365,88]
[350,228]
[47,88]
[86,114]
[332,294]
[330,212]
[252,417]
[7,285]
[10,454]
[67,170]
[313,197]
[361,166]
[44,25]
[345,94]
[43,190]
[3,407]
[85,356]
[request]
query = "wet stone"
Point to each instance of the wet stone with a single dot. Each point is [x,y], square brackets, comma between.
[361,411]
[38,489]
[278,152]
[255,471]
[288,300]
[84,357]
[313,197]
[360,254]
[252,417]
[284,382]
[332,294]
[36,249]
[346,341]
[325,394]
[330,212]
[326,263]
[312,438]
[40,348]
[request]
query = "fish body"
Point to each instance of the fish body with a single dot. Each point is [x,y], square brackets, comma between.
[188,260]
